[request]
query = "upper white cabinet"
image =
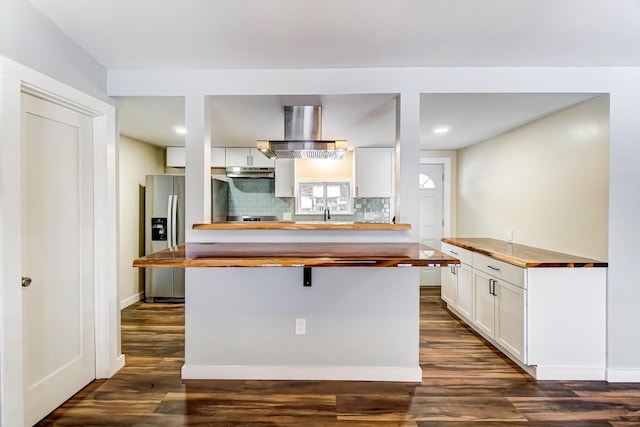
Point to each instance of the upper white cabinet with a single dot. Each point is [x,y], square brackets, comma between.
[285,178]
[176,157]
[374,170]
[246,156]
[218,157]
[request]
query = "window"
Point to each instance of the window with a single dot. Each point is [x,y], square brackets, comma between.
[426,183]
[314,197]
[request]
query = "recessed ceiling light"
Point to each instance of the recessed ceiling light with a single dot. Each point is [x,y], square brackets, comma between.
[180,130]
[440,130]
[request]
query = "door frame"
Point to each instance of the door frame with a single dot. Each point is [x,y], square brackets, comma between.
[448,191]
[14,79]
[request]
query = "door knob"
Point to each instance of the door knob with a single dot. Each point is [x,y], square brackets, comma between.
[26,281]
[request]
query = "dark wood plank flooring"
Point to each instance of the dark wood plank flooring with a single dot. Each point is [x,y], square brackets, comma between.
[465,383]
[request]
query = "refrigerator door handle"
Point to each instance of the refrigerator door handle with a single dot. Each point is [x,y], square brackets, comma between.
[169,221]
[174,222]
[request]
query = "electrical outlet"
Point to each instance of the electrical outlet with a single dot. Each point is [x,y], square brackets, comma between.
[301,326]
[510,234]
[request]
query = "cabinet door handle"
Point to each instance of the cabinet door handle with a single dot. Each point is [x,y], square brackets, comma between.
[455,253]
[493,268]
[453,270]
[490,284]
[493,292]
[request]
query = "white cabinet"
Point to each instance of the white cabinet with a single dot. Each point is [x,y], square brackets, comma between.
[285,178]
[449,285]
[510,320]
[176,157]
[246,156]
[374,171]
[550,320]
[498,305]
[218,157]
[464,291]
[457,281]
[483,303]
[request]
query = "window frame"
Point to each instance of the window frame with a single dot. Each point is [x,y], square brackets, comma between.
[325,183]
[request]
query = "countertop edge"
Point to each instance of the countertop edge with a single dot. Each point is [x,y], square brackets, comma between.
[187,255]
[300,226]
[579,262]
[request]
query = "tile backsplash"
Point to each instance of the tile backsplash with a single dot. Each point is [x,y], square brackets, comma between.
[256,196]
[374,209]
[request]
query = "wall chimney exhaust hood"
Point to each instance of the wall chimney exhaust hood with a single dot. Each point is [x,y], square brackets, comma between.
[303,137]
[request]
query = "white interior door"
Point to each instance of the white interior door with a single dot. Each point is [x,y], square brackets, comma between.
[57,255]
[431,216]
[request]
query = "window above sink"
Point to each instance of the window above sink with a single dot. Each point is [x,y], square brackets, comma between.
[315,196]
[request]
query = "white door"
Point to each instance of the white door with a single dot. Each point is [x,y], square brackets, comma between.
[431,216]
[57,255]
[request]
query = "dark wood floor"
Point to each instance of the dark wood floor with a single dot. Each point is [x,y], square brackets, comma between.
[465,383]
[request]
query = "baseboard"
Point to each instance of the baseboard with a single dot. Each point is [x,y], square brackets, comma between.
[541,373]
[310,373]
[570,373]
[131,300]
[623,375]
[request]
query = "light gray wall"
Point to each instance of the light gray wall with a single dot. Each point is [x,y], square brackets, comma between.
[32,39]
[355,317]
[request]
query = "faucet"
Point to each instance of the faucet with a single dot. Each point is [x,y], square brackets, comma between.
[327,213]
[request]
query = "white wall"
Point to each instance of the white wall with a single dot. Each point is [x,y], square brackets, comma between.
[548,181]
[623,83]
[325,170]
[32,39]
[136,160]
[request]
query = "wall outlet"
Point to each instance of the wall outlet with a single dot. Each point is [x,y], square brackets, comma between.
[286,216]
[301,326]
[510,234]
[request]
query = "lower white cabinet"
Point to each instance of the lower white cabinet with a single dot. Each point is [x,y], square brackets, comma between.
[457,281]
[464,291]
[550,320]
[499,312]
[449,285]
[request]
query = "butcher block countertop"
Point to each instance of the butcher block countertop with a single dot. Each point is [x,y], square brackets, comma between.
[521,255]
[297,255]
[299,225]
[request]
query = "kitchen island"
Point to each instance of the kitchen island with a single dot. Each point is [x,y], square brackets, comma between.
[300,225]
[304,311]
[546,310]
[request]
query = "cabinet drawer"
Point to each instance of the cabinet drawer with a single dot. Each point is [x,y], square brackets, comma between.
[499,269]
[465,256]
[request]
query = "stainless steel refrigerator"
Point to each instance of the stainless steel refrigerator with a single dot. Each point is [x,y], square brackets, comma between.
[165,227]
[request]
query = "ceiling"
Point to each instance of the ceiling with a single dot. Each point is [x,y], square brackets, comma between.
[363,120]
[222,34]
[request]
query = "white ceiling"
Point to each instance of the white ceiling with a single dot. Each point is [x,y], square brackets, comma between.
[350,33]
[182,34]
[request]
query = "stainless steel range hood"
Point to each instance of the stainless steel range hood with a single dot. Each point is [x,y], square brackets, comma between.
[303,137]
[250,172]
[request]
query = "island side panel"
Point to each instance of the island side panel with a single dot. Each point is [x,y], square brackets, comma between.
[567,322]
[362,323]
